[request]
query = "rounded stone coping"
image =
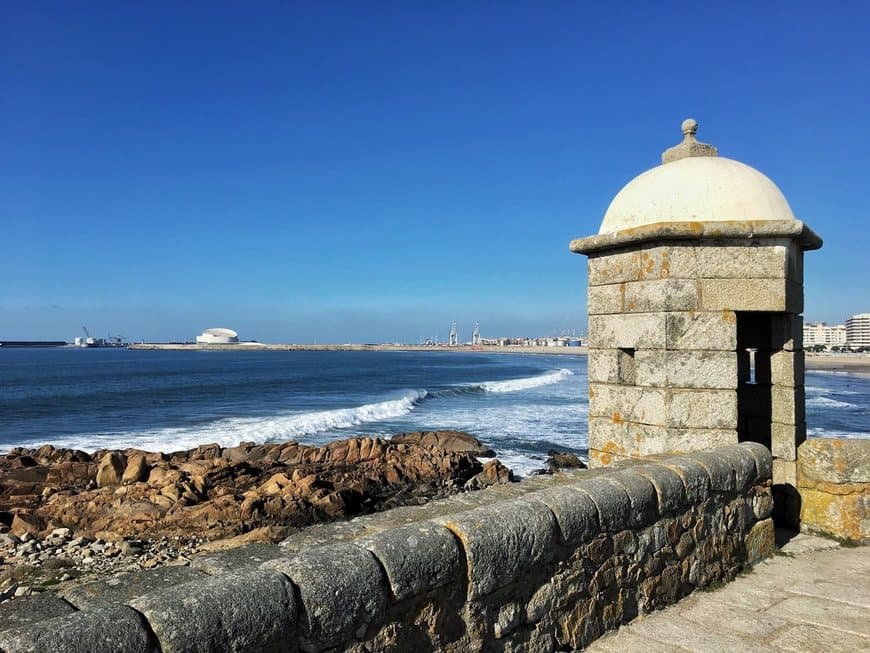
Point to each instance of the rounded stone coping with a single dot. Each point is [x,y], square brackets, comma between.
[699,230]
[333,593]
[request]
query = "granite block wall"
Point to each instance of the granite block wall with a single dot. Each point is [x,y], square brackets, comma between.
[833,479]
[669,342]
[548,564]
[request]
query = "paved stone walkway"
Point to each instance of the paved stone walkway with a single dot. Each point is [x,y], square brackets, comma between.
[813,595]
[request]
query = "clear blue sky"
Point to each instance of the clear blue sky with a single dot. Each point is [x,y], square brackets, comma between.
[338,171]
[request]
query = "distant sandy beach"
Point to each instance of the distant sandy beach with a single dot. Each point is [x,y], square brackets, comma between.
[259,346]
[859,364]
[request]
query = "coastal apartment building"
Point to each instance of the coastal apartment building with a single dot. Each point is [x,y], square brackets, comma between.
[858,330]
[819,333]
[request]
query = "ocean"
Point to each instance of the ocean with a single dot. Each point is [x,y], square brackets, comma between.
[522,405]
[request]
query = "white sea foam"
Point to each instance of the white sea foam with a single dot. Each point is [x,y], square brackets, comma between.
[515,385]
[827,402]
[231,431]
[822,432]
[814,389]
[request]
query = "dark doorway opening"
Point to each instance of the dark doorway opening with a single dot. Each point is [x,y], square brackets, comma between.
[754,396]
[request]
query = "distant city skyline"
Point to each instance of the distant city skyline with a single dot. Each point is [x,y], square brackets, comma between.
[331,172]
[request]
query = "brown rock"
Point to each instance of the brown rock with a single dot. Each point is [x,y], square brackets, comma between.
[493,473]
[21,525]
[564,460]
[110,469]
[276,484]
[214,493]
[447,440]
[136,471]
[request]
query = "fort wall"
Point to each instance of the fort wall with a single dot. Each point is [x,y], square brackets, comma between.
[547,564]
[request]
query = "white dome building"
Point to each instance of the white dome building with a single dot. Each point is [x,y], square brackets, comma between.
[217,336]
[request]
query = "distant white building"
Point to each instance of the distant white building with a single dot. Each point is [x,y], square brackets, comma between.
[858,330]
[819,333]
[217,336]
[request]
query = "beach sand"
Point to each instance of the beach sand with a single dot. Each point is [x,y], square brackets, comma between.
[856,363]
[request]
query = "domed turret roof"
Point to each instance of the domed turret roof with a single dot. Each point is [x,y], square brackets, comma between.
[694,184]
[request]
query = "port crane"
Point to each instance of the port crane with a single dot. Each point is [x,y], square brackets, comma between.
[475,335]
[454,336]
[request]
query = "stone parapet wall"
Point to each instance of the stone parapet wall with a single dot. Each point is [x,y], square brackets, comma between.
[547,564]
[833,480]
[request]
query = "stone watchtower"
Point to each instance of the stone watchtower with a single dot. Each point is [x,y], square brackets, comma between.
[695,302]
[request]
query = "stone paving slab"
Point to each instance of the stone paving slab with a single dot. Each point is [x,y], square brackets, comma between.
[813,595]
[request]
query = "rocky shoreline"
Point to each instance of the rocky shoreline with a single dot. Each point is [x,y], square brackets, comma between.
[67,516]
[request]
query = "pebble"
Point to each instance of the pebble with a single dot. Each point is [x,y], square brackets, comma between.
[61,558]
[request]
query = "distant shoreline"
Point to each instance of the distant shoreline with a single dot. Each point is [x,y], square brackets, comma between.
[857,364]
[467,349]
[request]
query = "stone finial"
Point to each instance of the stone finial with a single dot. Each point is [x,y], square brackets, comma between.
[690,145]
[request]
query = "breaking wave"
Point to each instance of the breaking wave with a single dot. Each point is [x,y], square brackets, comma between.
[230,431]
[827,402]
[515,385]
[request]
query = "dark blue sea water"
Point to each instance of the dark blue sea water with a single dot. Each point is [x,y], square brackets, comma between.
[521,405]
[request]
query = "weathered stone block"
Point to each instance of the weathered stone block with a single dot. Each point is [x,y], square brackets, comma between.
[776,295]
[681,440]
[686,369]
[250,555]
[834,460]
[602,300]
[784,472]
[844,515]
[742,261]
[641,496]
[503,542]
[30,609]
[675,261]
[669,487]
[788,405]
[122,588]
[603,365]
[575,512]
[722,478]
[614,268]
[833,478]
[787,368]
[786,438]
[695,477]
[244,610]
[417,557]
[636,331]
[116,629]
[760,542]
[626,439]
[763,459]
[701,330]
[627,403]
[342,589]
[712,409]
[762,503]
[743,463]
[660,295]
[331,533]
[614,506]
